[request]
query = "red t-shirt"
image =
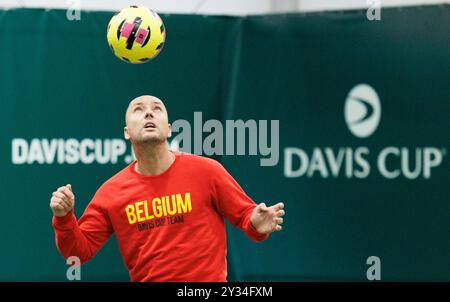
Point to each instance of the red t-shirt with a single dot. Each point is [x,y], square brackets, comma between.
[169,227]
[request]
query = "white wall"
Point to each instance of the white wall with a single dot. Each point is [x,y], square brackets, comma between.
[226,7]
[315,5]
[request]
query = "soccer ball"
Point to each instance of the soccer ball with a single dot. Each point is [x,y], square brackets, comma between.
[136,34]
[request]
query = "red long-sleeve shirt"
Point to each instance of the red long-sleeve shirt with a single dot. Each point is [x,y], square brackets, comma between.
[169,227]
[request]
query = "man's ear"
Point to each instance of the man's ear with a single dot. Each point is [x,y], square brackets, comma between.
[170,130]
[125,133]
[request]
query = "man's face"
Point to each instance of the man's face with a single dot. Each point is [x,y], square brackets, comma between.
[147,120]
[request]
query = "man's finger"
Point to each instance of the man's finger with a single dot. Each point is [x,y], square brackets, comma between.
[52,201]
[278,227]
[280,213]
[58,207]
[279,206]
[63,191]
[66,203]
[61,198]
[263,207]
[69,186]
[279,220]
[68,193]
[59,195]
[59,201]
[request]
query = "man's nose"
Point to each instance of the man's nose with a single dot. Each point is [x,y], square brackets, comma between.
[149,113]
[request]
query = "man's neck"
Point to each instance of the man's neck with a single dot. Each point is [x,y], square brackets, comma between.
[153,159]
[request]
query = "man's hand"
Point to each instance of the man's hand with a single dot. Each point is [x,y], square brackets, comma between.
[62,201]
[267,219]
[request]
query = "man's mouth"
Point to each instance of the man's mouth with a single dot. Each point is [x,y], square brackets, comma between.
[149,125]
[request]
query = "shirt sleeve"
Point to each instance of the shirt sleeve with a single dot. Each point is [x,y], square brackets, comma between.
[83,238]
[232,202]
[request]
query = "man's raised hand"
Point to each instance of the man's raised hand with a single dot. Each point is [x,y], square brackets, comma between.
[62,201]
[268,219]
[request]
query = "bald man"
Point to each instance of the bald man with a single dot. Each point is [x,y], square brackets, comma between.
[166,208]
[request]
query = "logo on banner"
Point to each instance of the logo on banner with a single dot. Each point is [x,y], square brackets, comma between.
[362,110]
[362,113]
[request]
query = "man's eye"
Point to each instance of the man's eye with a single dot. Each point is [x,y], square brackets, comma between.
[157,108]
[138,108]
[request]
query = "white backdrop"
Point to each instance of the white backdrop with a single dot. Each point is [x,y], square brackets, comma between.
[226,7]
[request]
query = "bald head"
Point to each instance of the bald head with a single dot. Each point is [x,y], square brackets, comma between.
[144,100]
[146,120]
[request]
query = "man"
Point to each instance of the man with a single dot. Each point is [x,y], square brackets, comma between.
[166,208]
